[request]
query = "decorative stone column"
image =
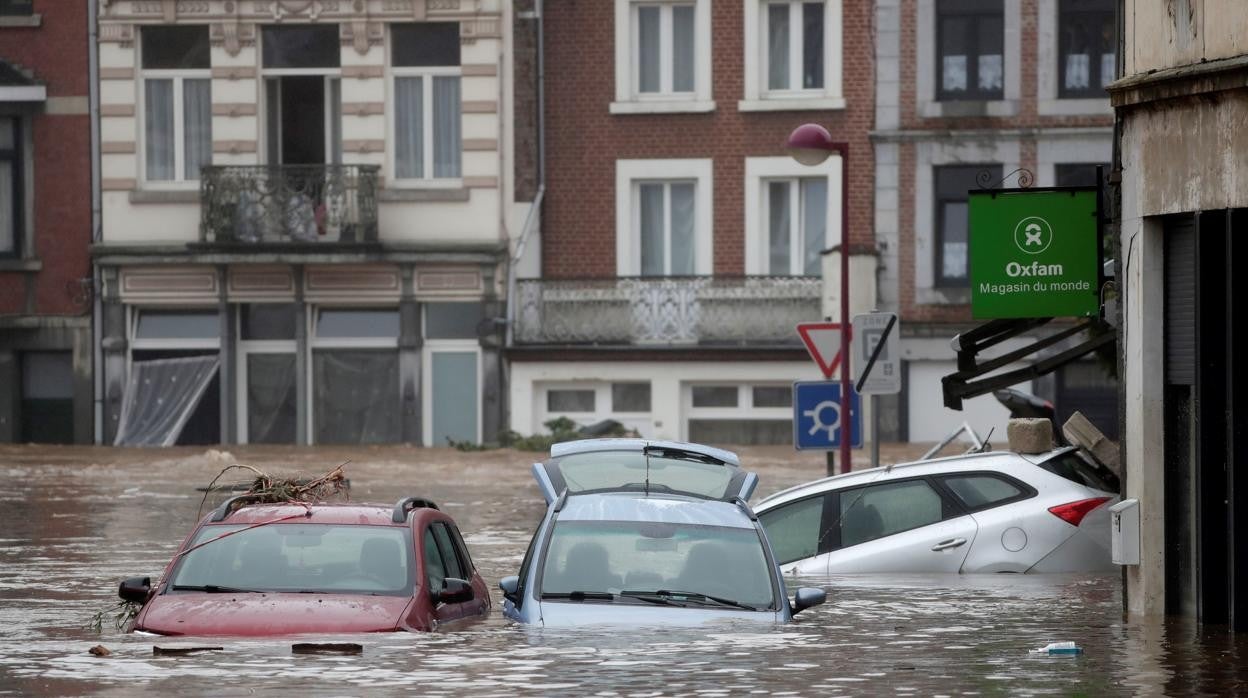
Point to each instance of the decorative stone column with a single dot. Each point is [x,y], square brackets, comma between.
[115,346]
[410,344]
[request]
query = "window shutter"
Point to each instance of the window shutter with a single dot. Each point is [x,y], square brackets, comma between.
[1180,294]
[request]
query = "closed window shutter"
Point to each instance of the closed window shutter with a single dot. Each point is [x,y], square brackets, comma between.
[1180,329]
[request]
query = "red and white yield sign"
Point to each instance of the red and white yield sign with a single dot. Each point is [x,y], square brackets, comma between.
[823,342]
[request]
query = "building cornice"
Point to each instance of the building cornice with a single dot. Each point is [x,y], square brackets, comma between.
[1180,81]
[195,253]
[911,135]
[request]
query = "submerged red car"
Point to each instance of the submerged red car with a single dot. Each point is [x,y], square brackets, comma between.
[275,569]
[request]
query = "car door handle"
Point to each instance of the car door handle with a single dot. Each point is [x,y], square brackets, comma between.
[948,544]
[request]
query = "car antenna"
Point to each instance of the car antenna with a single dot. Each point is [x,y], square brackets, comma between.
[646,451]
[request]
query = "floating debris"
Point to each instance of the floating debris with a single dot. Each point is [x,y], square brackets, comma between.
[327,648]
[272,489]
[182,651]
[99,651]
[1058,648]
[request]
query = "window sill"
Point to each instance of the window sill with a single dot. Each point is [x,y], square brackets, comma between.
[20,21]
[969,108]
[164,196]
[683,106]
[791,103]
[28,265]
[422,195]
[1092,106]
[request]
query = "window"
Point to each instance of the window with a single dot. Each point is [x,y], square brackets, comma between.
[1079,470]
[796,211]
[630,397]
[795,529]
[16,7]
[435,570]
[662,56]
[952,220]
[425,61]
[1085,48]
[665,227]
[450,558]
[10,188]
[872,512]
[663,217]
[743,413]
[970,39]
[300,46]
[355,376]
[453,320]
[773,396]
[983,491]
[794,55]
[714,396]
[1082,174]
[570,401]
[177,103]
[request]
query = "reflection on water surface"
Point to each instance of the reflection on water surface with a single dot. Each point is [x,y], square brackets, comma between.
[73,522]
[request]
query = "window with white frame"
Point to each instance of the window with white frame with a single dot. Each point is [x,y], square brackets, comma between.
[662,55]
[796,211]
[970,49]
[177,102]
[663,217]
[425,63]
[10,187]
[355,376]
[951,184]
[1085,48]
[792,55]
[739,413]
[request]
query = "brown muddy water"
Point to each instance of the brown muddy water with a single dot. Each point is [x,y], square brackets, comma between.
[74,521]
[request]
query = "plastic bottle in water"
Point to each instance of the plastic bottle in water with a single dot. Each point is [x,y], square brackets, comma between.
[1058,648]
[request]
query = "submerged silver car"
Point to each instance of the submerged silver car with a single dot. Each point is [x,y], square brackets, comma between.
[647,533]
[988,512]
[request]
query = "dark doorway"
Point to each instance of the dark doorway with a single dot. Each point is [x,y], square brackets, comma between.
[47,414]
[302,119]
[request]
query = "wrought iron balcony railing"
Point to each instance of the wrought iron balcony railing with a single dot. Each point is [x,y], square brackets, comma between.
[288,204]
[666,310]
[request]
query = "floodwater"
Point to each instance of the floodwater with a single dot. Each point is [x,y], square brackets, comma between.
[75,521]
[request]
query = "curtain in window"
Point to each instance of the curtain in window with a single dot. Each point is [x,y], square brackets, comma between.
[1107,68]
[160,397]
[814,224]
[409,152]
[446,127]
[779,227]
[991,72]
[778,47]
[197,134]
[812,45]
[683,40]
[648,49]
[651,227]
[356,396]
[271,398]
[1076,71]
[158,126]
[682,215]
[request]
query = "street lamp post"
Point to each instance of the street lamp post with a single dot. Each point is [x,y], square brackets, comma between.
[811,144]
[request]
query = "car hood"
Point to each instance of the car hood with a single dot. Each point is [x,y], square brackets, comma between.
[554,613]
[270,614]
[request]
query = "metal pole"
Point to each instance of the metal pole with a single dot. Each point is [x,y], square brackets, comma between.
[846,463]
[875,431]
[831,463]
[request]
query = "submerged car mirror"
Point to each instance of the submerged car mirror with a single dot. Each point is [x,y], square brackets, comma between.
[135,589]
[509,585]
[454,591]
[807,597]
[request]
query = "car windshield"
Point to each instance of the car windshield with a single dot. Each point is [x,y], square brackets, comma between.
[611,557]
[1073,467]
[614,470]
[324,558]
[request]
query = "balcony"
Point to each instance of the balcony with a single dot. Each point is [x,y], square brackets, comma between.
[288,204]
[704,310]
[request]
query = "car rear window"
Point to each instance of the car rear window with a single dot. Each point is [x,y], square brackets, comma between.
[982,491]
[1071,466]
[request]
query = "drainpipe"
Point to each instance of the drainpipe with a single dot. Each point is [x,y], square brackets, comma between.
[530,220]
[97,311]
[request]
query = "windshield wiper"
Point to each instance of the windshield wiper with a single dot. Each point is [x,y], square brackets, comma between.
[696,597]
[662,599]
[215,589]
[580,595]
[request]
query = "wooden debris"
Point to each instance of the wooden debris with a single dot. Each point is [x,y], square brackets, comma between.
[326,648]
[182,651]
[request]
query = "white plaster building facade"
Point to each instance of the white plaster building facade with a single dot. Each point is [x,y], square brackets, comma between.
[316,199]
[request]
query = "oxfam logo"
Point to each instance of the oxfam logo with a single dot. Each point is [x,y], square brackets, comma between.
[1033,235]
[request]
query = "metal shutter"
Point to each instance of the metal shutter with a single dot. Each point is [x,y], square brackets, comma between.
[1180,329]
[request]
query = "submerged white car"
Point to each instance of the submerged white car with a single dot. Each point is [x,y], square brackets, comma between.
[987,512]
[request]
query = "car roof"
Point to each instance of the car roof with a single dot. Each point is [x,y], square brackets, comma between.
[1002,460]
[322,513]
[661,508]
[587,445]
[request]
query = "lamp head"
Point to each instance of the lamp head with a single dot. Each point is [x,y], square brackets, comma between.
[809,144]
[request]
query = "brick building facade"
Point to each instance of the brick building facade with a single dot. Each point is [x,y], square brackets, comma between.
[45,222]
[679,243]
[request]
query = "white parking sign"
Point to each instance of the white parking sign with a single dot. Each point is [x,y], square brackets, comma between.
[883,375]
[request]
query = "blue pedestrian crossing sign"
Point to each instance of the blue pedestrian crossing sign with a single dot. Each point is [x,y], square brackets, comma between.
[817,423]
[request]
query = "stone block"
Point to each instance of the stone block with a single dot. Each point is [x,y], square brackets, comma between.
[1030,435]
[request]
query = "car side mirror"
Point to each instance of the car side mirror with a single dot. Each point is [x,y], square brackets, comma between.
[454,591]
[807,597]
[509,585]
[135,589]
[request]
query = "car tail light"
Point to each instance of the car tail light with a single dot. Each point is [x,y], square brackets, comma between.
[1074,512]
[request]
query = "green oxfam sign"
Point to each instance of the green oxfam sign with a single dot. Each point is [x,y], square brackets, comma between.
[1034,254]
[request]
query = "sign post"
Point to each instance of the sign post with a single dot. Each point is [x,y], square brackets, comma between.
[876,351]
[1035,253]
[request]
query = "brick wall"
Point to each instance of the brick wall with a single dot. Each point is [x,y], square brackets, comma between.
[56,54]
[584,140]
[1026,120]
